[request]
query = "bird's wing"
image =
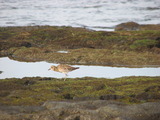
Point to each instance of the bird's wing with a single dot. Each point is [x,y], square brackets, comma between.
[66,68]
[62,68]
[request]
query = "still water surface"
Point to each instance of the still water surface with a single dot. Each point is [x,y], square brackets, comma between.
[12,68]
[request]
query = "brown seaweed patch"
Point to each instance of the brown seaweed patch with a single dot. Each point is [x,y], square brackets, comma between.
[36,43]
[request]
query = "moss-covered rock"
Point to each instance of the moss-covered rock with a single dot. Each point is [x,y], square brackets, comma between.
[35,91]
[38,43]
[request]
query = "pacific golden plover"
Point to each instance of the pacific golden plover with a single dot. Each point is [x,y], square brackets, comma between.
[62,68]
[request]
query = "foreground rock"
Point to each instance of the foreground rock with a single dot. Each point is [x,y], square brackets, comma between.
[83,110]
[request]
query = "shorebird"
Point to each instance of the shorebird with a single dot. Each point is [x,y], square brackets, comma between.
[62,68]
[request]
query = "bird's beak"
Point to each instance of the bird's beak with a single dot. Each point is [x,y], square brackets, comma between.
[49,69]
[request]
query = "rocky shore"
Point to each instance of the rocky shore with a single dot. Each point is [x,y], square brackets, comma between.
[126,98]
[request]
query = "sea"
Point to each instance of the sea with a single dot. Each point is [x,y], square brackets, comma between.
[99,15]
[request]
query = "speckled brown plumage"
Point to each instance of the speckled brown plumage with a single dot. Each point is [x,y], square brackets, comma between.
[62,68]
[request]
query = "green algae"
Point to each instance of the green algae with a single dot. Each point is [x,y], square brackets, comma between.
[35,91]
[139,44]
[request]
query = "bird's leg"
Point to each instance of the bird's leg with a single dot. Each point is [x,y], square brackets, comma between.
[65,76]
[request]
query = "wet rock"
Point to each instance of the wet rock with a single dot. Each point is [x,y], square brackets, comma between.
[56,90]
[4,93]
[29,82]
[82,110]
[43,79]
[79,117]
[150,27]
[26,44]
[68,96]
[147,96]
[144,111]
[128,26]
[111,97]
[0,72]
[21,109]
[158,42]
[90,104]
[7,45]
[100,87]
[105,109]
[151,92]
[85,98]
[133,26]
[152,88]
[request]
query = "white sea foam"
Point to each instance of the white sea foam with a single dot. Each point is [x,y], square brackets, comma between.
[92,14]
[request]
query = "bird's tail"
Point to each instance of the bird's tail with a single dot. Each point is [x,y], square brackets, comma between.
[76,68]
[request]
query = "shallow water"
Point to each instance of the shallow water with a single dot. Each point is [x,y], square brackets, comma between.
[92,14]
[12,68]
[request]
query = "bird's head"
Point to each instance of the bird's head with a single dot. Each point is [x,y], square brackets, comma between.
[52,68]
